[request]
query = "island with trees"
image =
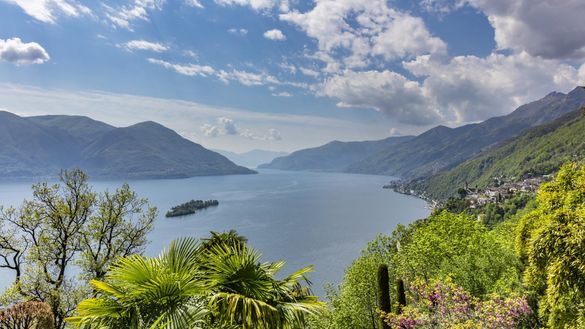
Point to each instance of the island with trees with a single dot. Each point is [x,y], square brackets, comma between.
[191,207]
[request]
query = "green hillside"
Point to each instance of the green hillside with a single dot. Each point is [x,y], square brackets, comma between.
[537,151]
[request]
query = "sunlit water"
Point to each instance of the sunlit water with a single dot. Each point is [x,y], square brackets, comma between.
[323,219]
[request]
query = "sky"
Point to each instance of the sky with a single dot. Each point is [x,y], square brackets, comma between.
[283,75]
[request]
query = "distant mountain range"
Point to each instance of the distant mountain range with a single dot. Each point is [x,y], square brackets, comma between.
[335,156]
[41,146]
[537,151]
[435,150]
[251,159]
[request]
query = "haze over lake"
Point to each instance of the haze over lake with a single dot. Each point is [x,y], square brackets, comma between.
[324,219]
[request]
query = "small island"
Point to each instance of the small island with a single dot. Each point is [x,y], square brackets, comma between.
[191,207]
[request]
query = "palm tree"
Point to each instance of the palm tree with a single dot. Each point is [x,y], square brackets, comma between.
[193,286]
[140,292]
[244,291]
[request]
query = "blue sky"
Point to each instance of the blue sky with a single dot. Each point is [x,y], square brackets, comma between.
[283,75]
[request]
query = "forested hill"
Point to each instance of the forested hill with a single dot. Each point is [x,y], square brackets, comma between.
[32,147]
[442,148]
[333,156]
[536,152]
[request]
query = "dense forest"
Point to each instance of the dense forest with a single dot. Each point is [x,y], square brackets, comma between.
[516,264]
[77,260]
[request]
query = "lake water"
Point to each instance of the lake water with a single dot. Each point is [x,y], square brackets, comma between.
[323,219]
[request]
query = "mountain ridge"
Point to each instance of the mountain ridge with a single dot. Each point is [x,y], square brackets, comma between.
[41,146]
[437,149]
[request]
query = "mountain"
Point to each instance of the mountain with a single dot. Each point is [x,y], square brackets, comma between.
[82,128]
[333,156]
[29,149]
[41,146]
[252,159]
[537,151]
[442,148]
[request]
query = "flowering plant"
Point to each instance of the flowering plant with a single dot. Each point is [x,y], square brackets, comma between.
[443,304]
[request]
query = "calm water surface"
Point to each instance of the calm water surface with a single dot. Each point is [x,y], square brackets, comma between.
[324,219]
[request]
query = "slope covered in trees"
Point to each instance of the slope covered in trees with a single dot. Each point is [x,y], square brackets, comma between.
[536,152]
[524,272]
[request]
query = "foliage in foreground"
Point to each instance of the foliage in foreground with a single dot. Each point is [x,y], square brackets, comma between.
[214,285]
[525,269]
[551,240]
[68,228]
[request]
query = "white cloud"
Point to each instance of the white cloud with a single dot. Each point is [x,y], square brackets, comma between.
[550,29]
[191,54]
[356,30]
[273,135]
[254,4]
[247,78]
[244,77]
[47,10]
[210,130]
[282,94]
[194,3]
[124,16]
[146,45]
[15,51]
[185,69]
[309,72]
[227,127]
[385,91]
[582,75]
[469,88]
[240,32]
[453,91]
[275,35]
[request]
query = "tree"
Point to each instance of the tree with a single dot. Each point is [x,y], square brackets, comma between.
[64,225]
[27,315]
[551,239]
[384,291]
[458,246]
[354,304]
[221,286]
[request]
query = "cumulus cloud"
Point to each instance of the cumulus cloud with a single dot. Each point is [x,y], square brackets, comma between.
[227,127]
[527,25]
[185,69]
[469,88]
[363,29]
[275,35]
[550,29]
[146,45]
[47,10]
[384,91]
[15,51]
[453,91]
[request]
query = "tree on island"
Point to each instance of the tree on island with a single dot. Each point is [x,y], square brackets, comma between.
[64,229]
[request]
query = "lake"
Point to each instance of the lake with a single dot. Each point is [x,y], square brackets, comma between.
[323,219]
